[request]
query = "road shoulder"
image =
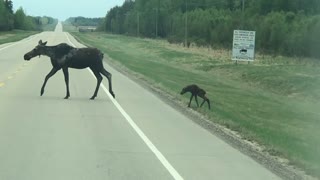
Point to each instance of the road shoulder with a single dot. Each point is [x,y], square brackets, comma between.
[257,152]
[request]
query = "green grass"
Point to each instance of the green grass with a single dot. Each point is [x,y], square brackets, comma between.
[273,101]
[15,35]
[69,28]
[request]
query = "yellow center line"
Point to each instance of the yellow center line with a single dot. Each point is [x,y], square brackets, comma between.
[1,84]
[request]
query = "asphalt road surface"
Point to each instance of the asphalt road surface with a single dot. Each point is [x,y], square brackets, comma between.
[135,136]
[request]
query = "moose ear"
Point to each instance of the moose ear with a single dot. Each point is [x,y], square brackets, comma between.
[42,43]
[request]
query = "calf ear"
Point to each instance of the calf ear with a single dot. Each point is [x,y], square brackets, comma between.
[44,43]
[40,42]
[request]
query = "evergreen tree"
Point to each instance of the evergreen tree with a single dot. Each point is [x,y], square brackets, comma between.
[288,27]
[19,19]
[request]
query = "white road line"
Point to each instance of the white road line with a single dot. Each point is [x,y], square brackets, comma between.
[30,38]
[69,40]
[7,46]
[146,140]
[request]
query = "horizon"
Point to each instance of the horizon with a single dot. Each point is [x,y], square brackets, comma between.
[88,9]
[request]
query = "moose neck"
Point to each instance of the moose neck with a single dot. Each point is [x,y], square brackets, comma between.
[49,51]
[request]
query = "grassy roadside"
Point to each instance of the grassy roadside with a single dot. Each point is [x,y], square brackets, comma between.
[68,27]
[14,35]
[273,101]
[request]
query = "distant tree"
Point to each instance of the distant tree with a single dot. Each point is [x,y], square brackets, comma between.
[83,21]
[6,17]
[19,19]
[313,37]
[3,24]
[9,6]
[287,27]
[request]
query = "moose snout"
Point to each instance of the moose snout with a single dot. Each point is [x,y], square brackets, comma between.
[183,91]
[26,57]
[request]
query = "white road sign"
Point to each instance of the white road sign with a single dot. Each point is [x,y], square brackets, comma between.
[243,45]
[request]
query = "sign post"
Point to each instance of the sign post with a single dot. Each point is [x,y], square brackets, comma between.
[243,45]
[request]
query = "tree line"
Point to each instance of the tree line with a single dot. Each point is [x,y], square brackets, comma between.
[283,27]
[83,21]
[10,20]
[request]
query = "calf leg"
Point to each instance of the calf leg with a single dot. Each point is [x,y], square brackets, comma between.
[202,94]
[195,97]
[99,79]
[108,76]
[51,73]
[190,100]
[204,100]
[66,79]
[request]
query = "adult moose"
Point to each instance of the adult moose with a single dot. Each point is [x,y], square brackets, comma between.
[64,56]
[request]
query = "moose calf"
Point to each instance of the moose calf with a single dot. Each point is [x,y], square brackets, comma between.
[196,91]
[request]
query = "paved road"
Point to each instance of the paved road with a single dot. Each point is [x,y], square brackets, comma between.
[138,136]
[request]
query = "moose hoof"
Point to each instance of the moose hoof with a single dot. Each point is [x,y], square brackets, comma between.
[92,98]
[67,97]
[114,96]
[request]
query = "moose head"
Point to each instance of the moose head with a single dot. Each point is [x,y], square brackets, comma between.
[37,51]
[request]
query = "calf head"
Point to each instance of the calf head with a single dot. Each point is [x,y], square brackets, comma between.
[37,51]
[184,90]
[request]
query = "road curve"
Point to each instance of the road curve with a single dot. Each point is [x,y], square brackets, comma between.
[138,136]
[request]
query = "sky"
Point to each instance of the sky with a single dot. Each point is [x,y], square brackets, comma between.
[63,9]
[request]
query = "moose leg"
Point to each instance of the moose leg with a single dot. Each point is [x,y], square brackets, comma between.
[203,97]
[99,79]
[51,73]
[204,100]
[208,101]
[190,100]
[195,97]
[66,79]
[108,76]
